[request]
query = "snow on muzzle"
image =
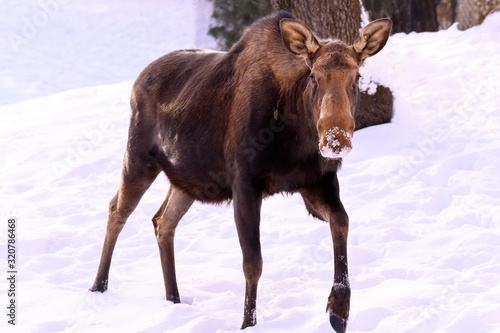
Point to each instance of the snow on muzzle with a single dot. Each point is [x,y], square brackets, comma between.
[335,143]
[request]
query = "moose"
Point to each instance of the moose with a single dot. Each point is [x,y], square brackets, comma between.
[273,114]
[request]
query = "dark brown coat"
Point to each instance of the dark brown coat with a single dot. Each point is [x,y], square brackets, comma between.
[274,114]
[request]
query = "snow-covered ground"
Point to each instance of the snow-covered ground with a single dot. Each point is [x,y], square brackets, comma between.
[49,46]
[423,193]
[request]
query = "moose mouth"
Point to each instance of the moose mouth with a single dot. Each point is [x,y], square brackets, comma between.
[335,143]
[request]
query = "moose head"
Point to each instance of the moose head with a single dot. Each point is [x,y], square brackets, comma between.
[332,91]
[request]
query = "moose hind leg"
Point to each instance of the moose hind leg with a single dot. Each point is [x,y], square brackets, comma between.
[165,222]
[136,179]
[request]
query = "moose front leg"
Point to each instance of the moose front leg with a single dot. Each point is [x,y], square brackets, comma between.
[247,202]
[338,301]
[323,202]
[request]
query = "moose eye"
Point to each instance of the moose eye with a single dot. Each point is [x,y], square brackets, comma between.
[313,79]
[357,78]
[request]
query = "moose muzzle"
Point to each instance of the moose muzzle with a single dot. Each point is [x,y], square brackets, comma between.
[335,127]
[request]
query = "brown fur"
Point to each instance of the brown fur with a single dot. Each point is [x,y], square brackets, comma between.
[243,125]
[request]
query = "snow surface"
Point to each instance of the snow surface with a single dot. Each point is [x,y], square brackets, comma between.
[50,46]
[423,194]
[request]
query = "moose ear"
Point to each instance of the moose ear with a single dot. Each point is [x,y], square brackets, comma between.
[298,38]
[372,38]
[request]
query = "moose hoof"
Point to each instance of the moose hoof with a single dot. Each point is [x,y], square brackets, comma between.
[245,325]
[248,323]
[101,286]
[174,299]
[338,324]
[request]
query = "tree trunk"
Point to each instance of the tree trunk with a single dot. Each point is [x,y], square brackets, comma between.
[445,12]
[406,15]
[341,19]
[473,12]
[423,15]
[397,10]
[328,19]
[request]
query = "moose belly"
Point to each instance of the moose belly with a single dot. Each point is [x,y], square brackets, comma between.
[198,170]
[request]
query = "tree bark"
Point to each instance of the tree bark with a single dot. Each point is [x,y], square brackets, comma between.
[473,12]
[397,10]
[406,15]
[423,15]
[445,12]
[328,19]
[341,19]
